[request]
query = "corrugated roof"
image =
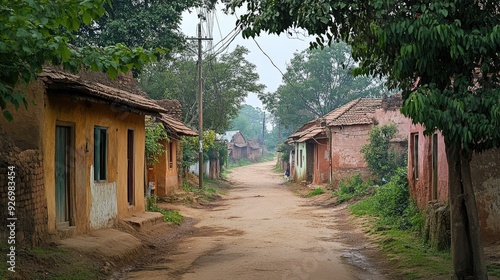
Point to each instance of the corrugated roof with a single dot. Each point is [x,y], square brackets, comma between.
[59,80]
[359,111]
[176,126]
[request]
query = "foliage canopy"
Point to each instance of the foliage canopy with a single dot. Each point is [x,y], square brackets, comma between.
[227,81]
[316,82]
[149,24]
[36,32]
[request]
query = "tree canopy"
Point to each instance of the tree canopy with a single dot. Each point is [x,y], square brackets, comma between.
[249,122]
[445,57]
[317,81]
[35,32]
[148,24]
[227,81]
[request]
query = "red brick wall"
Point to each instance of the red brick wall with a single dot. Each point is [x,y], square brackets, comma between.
[347,160]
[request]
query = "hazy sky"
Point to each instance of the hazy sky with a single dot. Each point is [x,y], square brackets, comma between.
[279,48]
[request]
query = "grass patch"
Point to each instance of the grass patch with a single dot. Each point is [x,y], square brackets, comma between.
[168,216]
[412,257]
[316,191]
[77,273]
[50,263]
[494,269]
[396,223]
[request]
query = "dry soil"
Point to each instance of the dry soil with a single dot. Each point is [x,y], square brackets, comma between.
[261,230]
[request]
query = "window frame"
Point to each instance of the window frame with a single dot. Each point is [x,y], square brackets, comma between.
[100,153]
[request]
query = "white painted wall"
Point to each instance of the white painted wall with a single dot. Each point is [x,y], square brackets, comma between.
[103,207]
[194,168]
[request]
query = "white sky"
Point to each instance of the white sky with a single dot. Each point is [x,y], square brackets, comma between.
[279,48]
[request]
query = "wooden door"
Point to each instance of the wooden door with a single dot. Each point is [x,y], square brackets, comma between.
[62,174]
[130,167]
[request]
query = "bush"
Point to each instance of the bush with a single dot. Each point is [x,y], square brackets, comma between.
[354,186]
[392,198]
[392,204]
[381,161]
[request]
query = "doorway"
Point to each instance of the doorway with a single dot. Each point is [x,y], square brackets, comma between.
[63,175]
[130,168]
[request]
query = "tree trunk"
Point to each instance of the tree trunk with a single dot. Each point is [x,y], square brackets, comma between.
[466,248]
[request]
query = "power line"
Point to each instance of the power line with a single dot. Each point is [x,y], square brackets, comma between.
[286,79]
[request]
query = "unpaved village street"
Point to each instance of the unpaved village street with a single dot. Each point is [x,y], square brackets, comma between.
[261,230]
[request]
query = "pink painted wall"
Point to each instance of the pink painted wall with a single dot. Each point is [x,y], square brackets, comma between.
[421,183]
[485,170]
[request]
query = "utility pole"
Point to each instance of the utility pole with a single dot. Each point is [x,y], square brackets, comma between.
[200,106]
[263,132]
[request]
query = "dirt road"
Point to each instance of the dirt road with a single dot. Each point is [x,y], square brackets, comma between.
[260,231]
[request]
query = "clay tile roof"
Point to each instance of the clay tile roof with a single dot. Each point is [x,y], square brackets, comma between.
[172,106]
[176,126]
[85,87]
[358,111]
[311,133]
[303,129]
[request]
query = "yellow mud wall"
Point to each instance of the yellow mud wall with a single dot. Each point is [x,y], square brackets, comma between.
[167,175]
[82,116]
[172,174]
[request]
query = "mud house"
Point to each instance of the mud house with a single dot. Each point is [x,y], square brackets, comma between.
[241,148]
[309,160]
[79,153]
[164,176]
[327,149]
[428,179]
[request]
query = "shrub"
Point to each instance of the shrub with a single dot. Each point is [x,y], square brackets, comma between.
[381,161]
[392,204]
[354,186]
[393,197]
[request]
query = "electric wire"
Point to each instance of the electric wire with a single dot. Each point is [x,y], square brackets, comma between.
[288,81]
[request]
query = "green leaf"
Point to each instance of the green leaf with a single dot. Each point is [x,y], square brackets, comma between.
[87,18]
[112,72]
[8,115]
[65,53]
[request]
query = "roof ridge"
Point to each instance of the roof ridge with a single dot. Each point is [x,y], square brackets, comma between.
[341,113]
